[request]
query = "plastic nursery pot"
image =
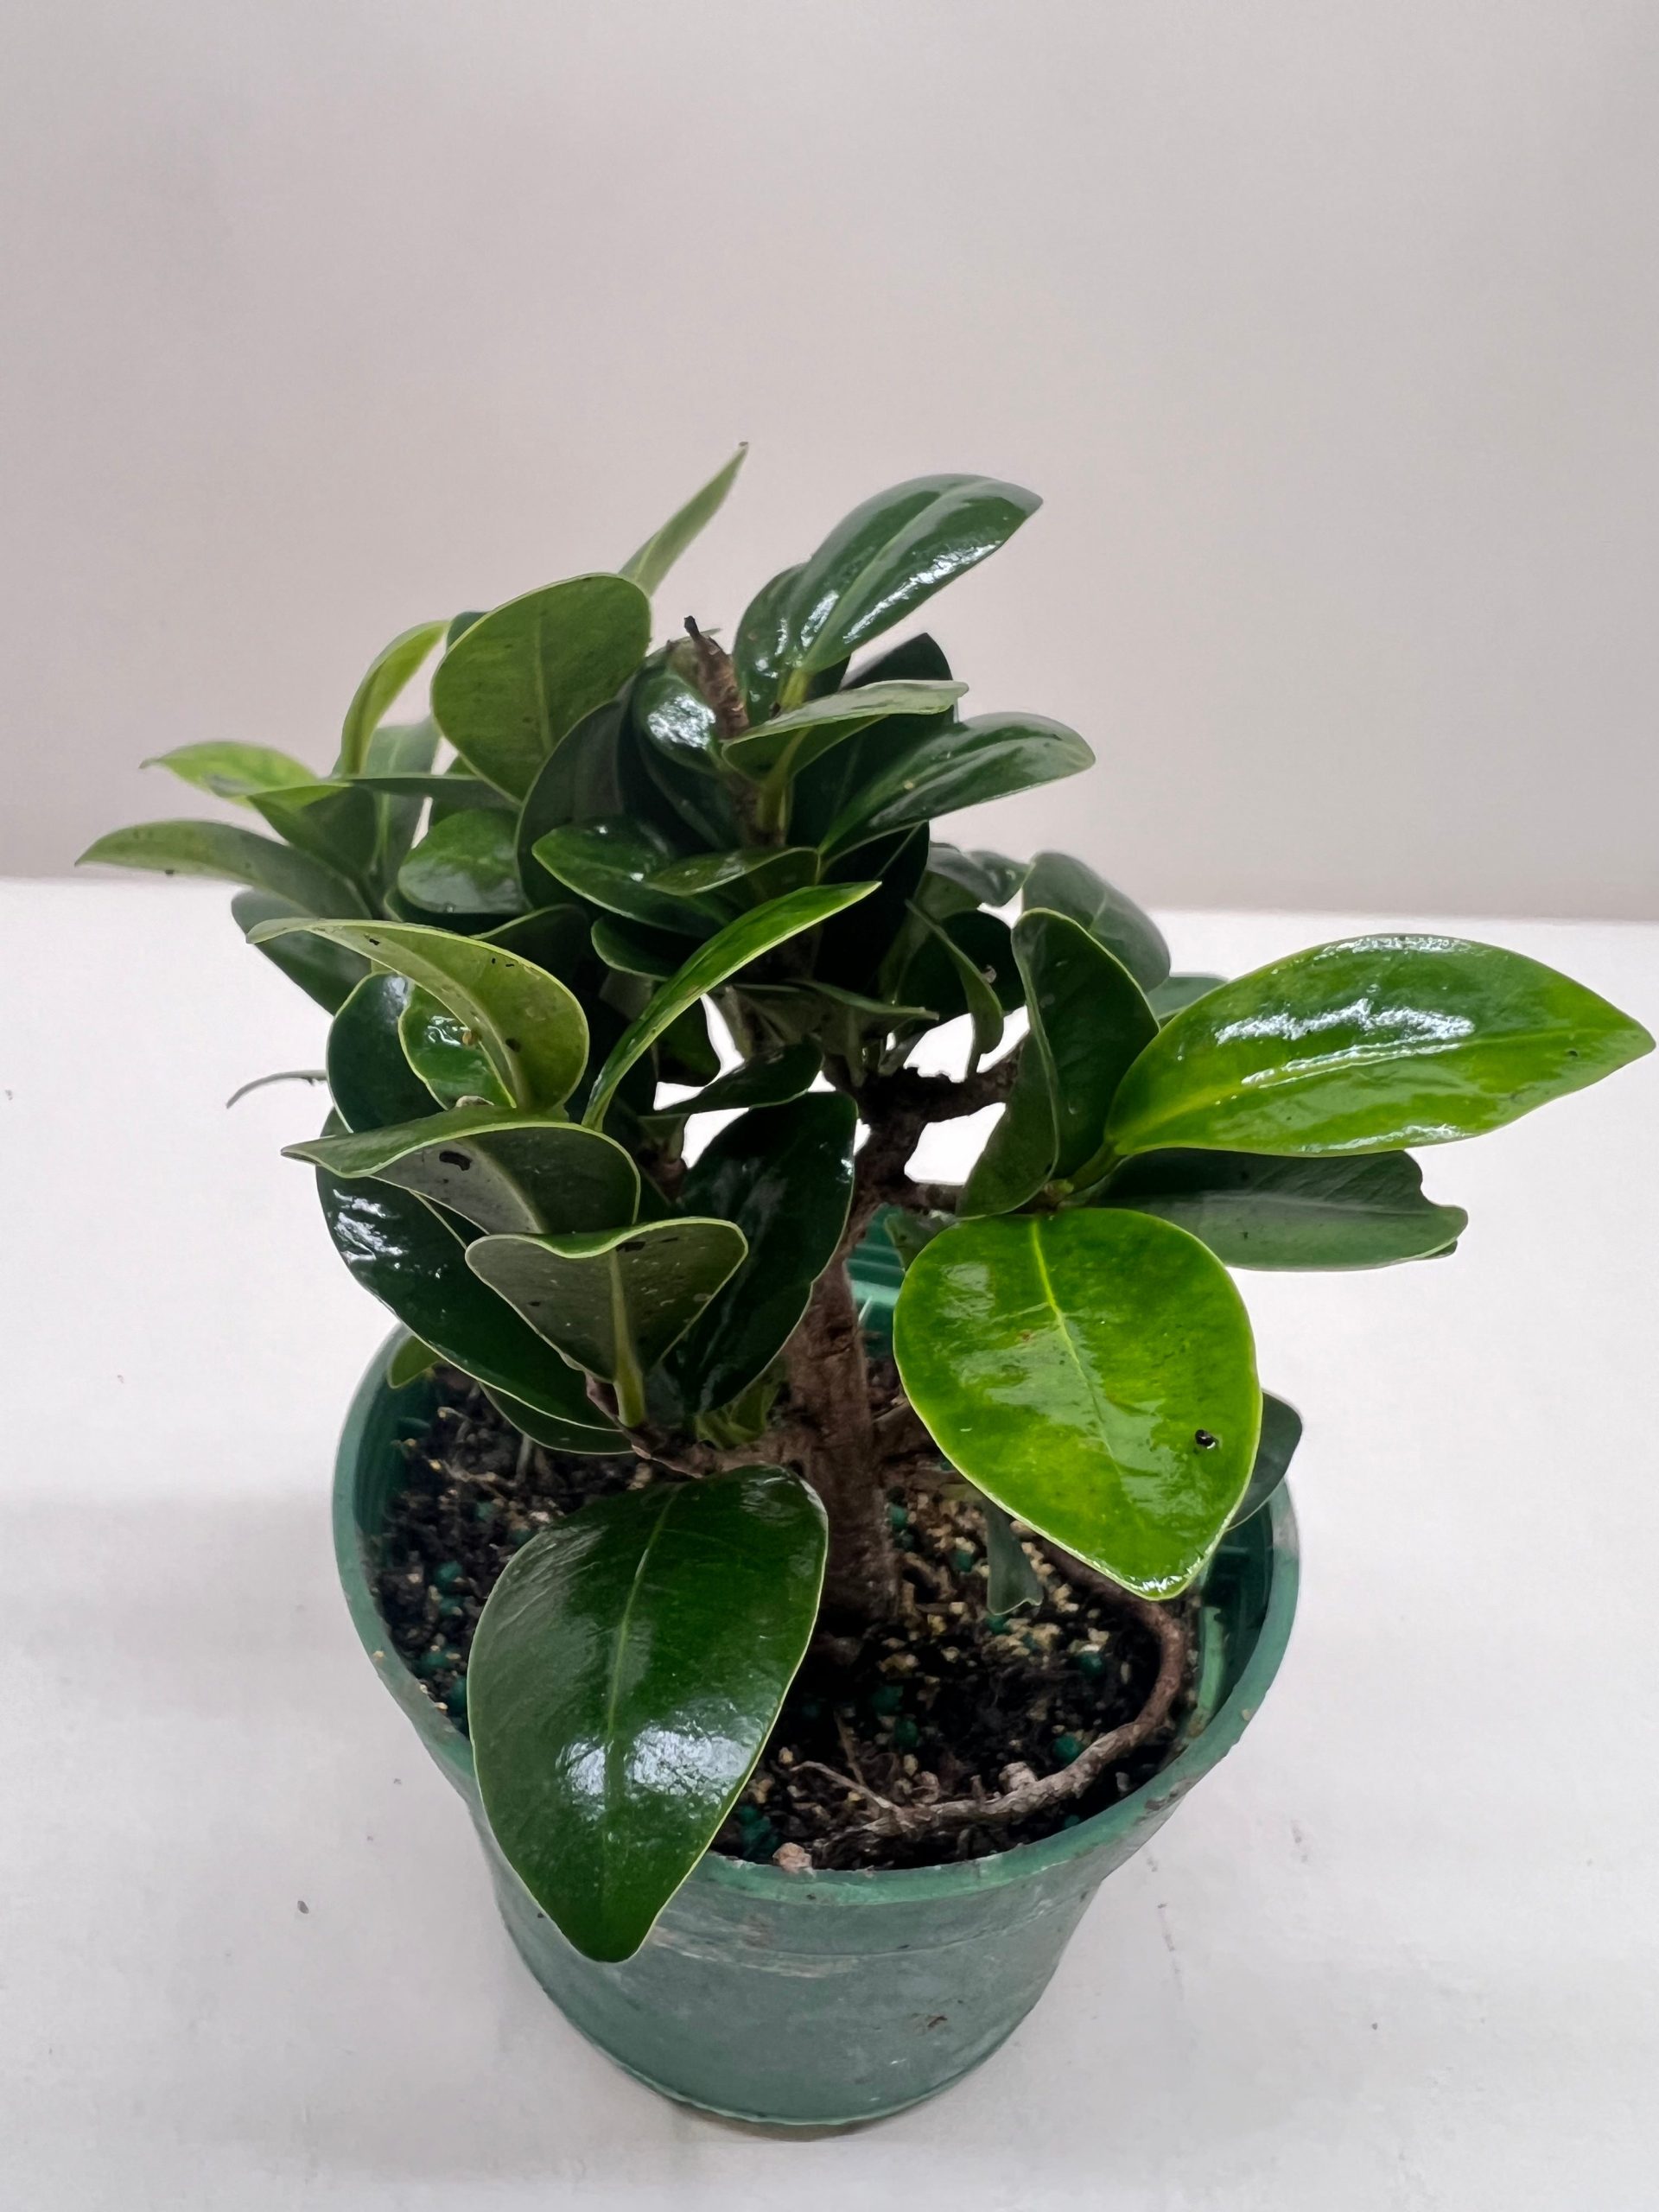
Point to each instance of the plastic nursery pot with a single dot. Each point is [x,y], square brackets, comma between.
[820,1999]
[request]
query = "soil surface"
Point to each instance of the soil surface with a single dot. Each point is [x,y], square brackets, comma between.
[938,1704]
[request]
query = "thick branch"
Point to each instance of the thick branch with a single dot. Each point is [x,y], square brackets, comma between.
[830,1387]
[897,1108]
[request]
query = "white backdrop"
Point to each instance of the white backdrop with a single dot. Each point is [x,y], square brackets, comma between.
[1327,329]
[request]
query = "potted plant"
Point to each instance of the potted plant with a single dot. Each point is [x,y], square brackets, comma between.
[816,1580]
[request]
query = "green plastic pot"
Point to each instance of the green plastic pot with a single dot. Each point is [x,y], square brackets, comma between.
[823,1999]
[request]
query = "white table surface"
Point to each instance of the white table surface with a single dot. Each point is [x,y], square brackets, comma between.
[1398,1951]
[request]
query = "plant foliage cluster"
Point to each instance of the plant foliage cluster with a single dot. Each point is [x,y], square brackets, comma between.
[518,911]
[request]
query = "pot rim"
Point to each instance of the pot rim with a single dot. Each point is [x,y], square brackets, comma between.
[837,1885]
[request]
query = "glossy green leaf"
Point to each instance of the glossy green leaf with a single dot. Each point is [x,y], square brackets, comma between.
[1064,886]
[820,791]
[464,792]
[584,779]
[467,865]
[388,674]
[685,1051]
[399,1250]
[1369,1043]
[612,863]
[1014,1582]
[735,947]
[626,1672]
[964,764]
[527,1021]
[1281,1431]
[768,1081]
[555,938]
[410,1360]
[776,750]
[615,1301]
[1166,998]
[509,689]
[445,1056]
[785,1175]
[327,973]
[233,771]
[370,1078]
[1094,1373]
[677,720]
[886,557]
[1358,1210]
[220,849]
[1088,1021]
[657,555]
[507,1173]
[765,871]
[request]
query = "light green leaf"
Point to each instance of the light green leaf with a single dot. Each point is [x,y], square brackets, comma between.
[410,1360]
[337,823]
[625,1674]
[527,1023]
[445,1056]
[615,1301]
[388,674]
[730,950]
[220,849]
[507,1173]
[1094,1373]
[657,555]
[1367,1045]
[233,772]
[1358,1210]
[508,689]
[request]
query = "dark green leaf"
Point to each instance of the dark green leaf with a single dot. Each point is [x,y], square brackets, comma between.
[1177,991]
[989,879]
[220,849]
[1013,1582]
[527,1021]
[1064,886]
[508,689]
[1093,1372]
[372,1083]
[327,973]
[785,1175]
[732,949]
[967,988]
[962,764]
[467,865]
[401,749]
[388,672]
[626,1672]
[612,861]
[685,1051]
[1088,1022]
[1359,1209]
[762,641]
[399,1249]
[335,822]
[553,938]
[507,1173]
[233,771]
[767,1081]
[1366,1045]
[635,950]
[657,555]
[614,1300]
[767,872]
[1281,1431]
[908,1232]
